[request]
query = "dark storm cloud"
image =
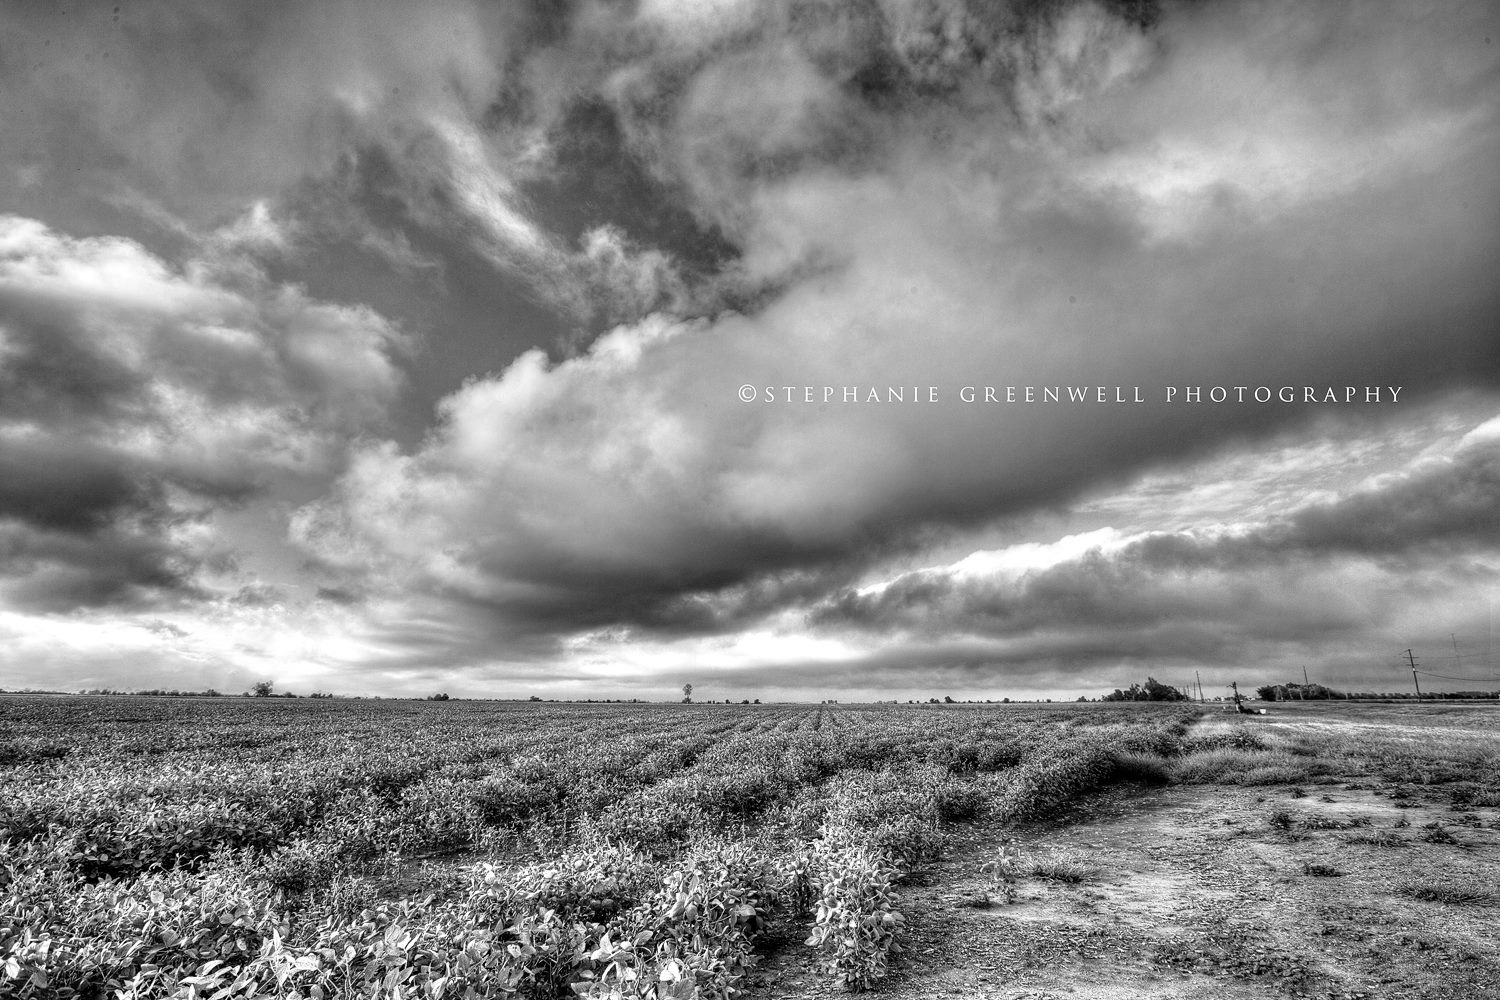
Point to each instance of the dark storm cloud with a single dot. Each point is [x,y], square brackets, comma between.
[1455,506]
[601,220]
[1083,207]
[118,565]
[1321,575]
[137,399]
[61,486]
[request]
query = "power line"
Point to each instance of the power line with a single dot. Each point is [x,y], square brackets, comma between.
[1467,656]
[1450,677]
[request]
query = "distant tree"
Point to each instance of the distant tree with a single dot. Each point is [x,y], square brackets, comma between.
[440,696]
[947,699]
[1153,690]
[756,702]
[1296,692]
[262,689]
[534,698]
[687,693]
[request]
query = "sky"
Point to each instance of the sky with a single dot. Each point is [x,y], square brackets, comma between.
[858,350]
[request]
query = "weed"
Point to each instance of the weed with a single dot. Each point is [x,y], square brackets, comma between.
[1454,895]
[1315,821]
[1235,739]
[1320,870]
[1011,866]
[1066,870]
[1377,838]
[1146,768]
[1437,833]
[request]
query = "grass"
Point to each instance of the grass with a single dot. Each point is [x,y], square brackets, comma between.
[1067,870]
[1377,838]
[1315,821]
[1452,895]
[1232,766]
[1142,767]
[1437,833]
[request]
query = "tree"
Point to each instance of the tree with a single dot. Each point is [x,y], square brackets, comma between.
[687,693]
[262,689]
[1153,691]
[1286,692]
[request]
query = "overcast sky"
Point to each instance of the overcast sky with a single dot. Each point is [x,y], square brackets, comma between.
[464,347]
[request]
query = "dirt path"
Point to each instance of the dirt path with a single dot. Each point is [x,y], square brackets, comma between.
[1195,892]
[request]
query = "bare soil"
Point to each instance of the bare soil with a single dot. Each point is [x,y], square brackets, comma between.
[1196,891]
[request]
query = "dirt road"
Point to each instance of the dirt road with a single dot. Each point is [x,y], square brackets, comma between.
[1206,892]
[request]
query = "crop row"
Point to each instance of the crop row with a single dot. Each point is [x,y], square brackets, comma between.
[635,852]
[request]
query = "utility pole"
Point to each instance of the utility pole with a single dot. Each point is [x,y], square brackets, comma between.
[1413,661]
[1304,682]
[1456,658]
[1200,686]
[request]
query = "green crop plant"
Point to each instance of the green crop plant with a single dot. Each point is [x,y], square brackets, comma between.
[856,924]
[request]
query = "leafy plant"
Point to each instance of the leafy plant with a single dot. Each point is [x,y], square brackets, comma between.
[856,925]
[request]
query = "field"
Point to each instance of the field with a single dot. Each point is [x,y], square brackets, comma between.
[234,847]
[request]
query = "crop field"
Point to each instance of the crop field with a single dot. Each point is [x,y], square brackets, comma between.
[237,847]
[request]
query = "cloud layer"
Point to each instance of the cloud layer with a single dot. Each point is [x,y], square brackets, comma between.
[137,399]
[424,331]
[1062,214]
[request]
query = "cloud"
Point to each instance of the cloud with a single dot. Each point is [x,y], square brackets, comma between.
[138,398]
[696,199]
[997,238]
[1410,548]
[1450,503]
[219,104]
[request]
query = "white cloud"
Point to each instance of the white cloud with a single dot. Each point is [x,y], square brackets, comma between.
[142,397]
[949,245]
